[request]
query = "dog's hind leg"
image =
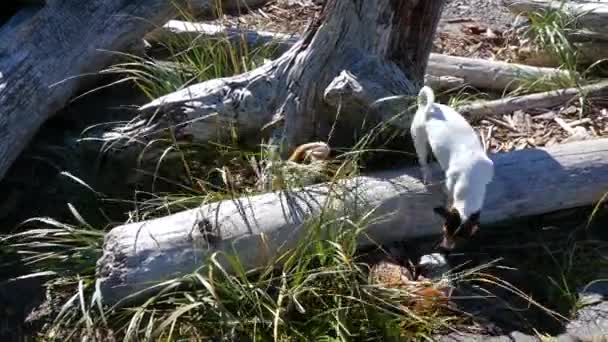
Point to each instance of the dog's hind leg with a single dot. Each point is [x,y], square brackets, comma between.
[422,151]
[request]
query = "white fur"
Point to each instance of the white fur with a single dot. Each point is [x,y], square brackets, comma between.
[468,170]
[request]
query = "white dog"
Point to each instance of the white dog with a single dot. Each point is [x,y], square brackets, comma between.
[468,170]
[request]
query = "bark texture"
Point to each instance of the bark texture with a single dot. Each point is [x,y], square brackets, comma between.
[45,50]
[588,32]
[442,71]
[380,48]
[139,255]
[545,100]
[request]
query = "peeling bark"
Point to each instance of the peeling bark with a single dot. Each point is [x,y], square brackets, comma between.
[384,45]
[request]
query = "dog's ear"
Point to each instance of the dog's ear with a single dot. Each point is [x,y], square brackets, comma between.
[442,211]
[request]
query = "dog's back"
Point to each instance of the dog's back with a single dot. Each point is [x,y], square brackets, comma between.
[450,136]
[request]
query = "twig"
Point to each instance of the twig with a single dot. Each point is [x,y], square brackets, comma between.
[563,124]
[579,122]
[501,123]
[488,139]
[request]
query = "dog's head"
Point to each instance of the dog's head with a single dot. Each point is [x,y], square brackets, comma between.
[454,228]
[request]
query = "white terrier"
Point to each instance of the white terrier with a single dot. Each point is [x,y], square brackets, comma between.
[468,170]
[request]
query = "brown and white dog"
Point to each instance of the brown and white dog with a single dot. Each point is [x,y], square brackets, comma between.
[467,168]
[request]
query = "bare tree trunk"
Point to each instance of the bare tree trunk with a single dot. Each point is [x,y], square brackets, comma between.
[139,255]
[45,50]
[355,53]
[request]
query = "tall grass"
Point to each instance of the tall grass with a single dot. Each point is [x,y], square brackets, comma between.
[549,30]
[191,60]
[319,290]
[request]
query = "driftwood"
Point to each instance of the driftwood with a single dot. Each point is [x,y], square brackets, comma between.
[485,74]
[544,100]
[140,254]
[591,15]
[589,37]
[79,34]
[443,71]
[189,31]
[325,83]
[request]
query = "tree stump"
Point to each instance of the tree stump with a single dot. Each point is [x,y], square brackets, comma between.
[322,88]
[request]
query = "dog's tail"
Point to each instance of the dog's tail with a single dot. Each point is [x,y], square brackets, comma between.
[428,99]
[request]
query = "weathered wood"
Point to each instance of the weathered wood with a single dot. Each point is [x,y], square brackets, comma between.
[43,55]
[439,83]
[485,74]
[587,53]
[139,254]
[445,71]
[591,15]
[189,31]
[544,100]
[285,100]
[21,16]
[589,36]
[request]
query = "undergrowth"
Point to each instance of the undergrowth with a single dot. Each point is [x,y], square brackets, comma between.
[187,60]
[318,290]
[549,30]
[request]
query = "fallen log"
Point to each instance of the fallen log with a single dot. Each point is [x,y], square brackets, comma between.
[544,100]
[479,73]
[591,15]
[588,34]
[485,74]
[34,86]
[586,53]
[440,83]
[189,31]
[527,182]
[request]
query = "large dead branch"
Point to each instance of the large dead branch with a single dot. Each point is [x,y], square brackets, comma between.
[591,15]
[324,83]
[479,73]
[485,74]
[588,33]
[140,254]
[44,51]
[545,100]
